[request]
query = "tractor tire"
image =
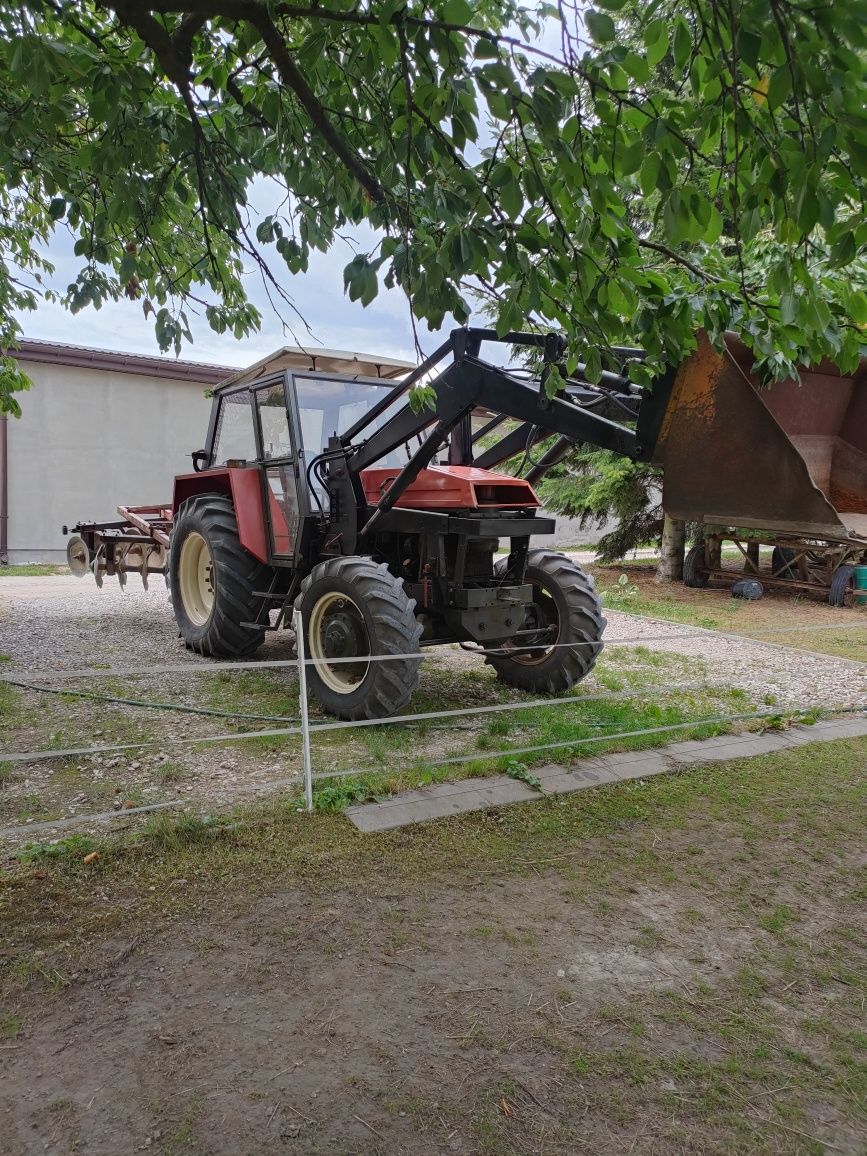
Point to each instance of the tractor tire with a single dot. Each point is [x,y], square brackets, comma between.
[695,572]
[842,589]
[565,597]
[212,579]
[781,556]
[355,606]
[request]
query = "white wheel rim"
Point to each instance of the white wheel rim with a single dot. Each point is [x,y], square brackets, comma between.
[336,629]
[196,579]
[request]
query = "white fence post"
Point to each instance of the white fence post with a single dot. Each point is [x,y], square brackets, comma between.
[298,625]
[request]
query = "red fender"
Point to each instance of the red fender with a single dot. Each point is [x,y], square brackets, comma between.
[244,486]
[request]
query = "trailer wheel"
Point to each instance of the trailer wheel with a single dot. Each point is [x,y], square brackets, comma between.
[565,606]
[781,559]
[842,589]
[212,579]
[354,607]
[695,571]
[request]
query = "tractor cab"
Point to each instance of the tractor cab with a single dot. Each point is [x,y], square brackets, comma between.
[272,435]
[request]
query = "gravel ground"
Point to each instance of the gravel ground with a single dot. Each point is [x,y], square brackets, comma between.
[63,623]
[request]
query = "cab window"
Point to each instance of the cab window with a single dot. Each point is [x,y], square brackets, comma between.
[274,421]
[234,437]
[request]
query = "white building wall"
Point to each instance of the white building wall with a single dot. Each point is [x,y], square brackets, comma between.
[89,439]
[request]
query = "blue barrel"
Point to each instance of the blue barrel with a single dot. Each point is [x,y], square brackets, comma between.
[860,580]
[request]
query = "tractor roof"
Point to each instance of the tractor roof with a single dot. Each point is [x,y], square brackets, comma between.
[322,361]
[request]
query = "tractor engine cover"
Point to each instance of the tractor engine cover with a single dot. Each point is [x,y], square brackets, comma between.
[451,488]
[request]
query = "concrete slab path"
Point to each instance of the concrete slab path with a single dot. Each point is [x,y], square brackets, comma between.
[444,799]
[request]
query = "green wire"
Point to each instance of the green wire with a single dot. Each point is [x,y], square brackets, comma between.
[153,705]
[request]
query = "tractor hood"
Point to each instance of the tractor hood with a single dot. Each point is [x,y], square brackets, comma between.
[451,488]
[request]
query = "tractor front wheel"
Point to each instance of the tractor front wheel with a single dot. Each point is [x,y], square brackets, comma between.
[213,579]
[353,609]
[567,613]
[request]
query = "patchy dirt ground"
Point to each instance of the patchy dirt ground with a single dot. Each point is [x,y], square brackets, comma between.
[779,617]
[56,623]
[670,968]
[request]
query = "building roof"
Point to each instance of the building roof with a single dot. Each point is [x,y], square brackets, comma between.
[60,353]
[289,357]
[324,361]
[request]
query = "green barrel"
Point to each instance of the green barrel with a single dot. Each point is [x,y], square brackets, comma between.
[860,577]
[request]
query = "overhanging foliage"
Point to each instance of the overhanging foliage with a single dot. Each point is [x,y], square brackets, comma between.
[614,187]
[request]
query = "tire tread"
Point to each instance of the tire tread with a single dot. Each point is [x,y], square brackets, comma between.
[238,575]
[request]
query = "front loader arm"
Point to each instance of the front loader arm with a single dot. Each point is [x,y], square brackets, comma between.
[469,383]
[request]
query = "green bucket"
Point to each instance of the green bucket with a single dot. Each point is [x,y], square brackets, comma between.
[860,578]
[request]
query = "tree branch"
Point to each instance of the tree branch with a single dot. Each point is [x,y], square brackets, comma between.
[292,78]
[676,257]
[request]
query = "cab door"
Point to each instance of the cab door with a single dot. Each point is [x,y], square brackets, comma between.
[280,465]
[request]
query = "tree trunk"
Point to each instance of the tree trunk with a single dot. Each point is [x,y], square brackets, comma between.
[670,568]
[714,552]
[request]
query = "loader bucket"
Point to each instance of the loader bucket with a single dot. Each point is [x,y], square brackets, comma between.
[790,457]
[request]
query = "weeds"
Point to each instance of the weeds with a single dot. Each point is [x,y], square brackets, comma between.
[621,595]
[176,831]
[10,1026]
[339,796]
[523,774]
[170,772]
[73,847]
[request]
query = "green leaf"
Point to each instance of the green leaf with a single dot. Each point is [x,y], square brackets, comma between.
[779,87]
[682,46]
[856,303]
[485,49]
[637,67]
[629,159]
[676,217]
[600,26]
[749,45]
[713,229]
[656,41]
[511,196]
[509,317]
[844,251]
[57,208]
[649,175]
[457,12]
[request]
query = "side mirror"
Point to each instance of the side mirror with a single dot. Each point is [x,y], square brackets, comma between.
[200,460]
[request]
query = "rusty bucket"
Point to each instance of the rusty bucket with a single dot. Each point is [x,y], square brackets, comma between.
[790,457]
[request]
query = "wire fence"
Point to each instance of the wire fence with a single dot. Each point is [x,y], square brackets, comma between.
[690,633]
[307,731]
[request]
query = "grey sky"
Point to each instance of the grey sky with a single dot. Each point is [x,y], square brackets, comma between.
[337,323]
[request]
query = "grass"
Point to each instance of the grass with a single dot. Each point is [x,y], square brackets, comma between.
[379,761]
[761,1057]
[395,764]
[817,792]
[32,570]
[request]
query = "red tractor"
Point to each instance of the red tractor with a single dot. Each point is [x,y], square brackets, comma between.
[326,492]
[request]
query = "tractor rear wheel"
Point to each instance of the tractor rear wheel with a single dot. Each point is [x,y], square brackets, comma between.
[566,609]
[212,579]
[354,608]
